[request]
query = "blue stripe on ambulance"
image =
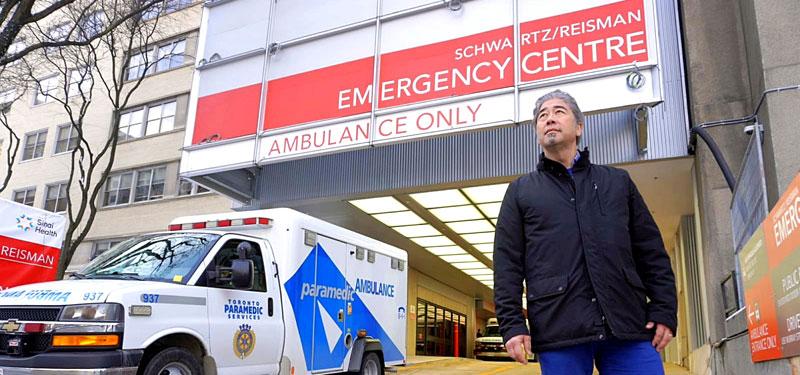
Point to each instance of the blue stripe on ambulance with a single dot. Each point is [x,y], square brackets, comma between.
[325,310]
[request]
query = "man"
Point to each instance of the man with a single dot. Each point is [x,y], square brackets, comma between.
[583,241]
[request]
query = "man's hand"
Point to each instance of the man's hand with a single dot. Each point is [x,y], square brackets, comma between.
[662,337]
[518,348]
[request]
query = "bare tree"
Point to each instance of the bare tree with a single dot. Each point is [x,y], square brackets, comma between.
[7,98]
[91,74]
[21,20]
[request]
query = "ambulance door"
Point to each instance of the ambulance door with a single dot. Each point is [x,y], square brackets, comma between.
[331,297]
[245,325]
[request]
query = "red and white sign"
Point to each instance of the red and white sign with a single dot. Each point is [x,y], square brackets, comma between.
[585,40]
[432,57]
[30,244]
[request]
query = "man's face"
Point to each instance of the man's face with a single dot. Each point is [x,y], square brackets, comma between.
[556,125]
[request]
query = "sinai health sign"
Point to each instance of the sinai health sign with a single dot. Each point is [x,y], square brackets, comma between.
[437,71]
[30,244]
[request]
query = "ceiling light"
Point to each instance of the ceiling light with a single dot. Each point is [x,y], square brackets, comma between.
[471,226]
[475,238]
[485,247]
[379,205]
[468,265]
[442,198]
[432,241]
[491,210]
[487,193]
[483,277]
[458,258]
[399,218]
[446,250]
[411,231]
[479,271]
[458,213]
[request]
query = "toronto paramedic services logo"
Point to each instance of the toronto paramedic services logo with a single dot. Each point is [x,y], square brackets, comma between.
[25,222]
[244,341]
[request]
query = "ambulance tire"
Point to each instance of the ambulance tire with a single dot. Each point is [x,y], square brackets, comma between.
[371,364]
[175,361]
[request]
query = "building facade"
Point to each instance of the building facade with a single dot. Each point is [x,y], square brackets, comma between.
[406,120]
[738,56]
[144,191]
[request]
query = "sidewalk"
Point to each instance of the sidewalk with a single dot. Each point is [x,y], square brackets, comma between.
[449,365]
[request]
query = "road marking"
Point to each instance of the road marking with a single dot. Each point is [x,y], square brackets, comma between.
[499,370]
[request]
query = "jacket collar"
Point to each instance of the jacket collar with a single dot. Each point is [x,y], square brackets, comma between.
[548,165]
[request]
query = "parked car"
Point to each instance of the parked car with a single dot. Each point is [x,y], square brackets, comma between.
[490,345]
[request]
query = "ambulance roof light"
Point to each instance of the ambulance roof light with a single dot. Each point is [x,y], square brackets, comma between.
[222,223]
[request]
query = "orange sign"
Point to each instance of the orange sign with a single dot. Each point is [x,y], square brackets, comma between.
[770,263]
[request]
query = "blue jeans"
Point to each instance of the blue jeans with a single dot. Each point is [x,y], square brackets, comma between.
[612,357]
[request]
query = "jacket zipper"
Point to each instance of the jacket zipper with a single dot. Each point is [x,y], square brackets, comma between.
[599,201]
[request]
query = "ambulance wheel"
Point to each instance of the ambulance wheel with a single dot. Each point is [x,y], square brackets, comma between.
[371,365]
[173,361]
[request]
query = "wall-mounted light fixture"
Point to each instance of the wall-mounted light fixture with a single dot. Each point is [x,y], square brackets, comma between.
[454,5]
[635,79]
[641,115]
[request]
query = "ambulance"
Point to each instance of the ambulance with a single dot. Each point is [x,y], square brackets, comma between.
[259,292]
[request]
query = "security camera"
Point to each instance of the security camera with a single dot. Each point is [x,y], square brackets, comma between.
[748,129]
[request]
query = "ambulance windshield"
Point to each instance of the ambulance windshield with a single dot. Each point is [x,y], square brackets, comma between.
[170,257]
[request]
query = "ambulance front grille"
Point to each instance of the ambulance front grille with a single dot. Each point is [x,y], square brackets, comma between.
[41,314]
[33,343]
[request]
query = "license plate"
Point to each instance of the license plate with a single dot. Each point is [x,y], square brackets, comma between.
[13,343]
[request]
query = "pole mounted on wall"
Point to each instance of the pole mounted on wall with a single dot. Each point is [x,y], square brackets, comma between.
[700,130]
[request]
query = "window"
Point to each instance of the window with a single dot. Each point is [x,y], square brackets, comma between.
[100,247]
[25,196]
[130,124]
[187,187]
[436,331]
[166,56]
[149,185]
[66,138]
[92,24]
[56,198]
[80,82]
[170,55]
[15,47]
[137,65]
[59,32]
[159,118]
[46,90]
[118,189]
[168,6]
[223,261]
[8,96]
[34,145]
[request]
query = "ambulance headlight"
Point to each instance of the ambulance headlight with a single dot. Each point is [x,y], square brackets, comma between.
[97,312]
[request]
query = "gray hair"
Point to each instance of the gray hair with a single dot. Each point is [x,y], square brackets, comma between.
[567,98]
[558,94]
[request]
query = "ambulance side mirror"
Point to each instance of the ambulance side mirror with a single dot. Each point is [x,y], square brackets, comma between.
[242,273]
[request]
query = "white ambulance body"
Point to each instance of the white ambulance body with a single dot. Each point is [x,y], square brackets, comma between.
[258,292]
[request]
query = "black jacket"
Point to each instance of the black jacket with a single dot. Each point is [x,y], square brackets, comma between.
[589,252]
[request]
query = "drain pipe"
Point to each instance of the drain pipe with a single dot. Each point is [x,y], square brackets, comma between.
[700,130]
